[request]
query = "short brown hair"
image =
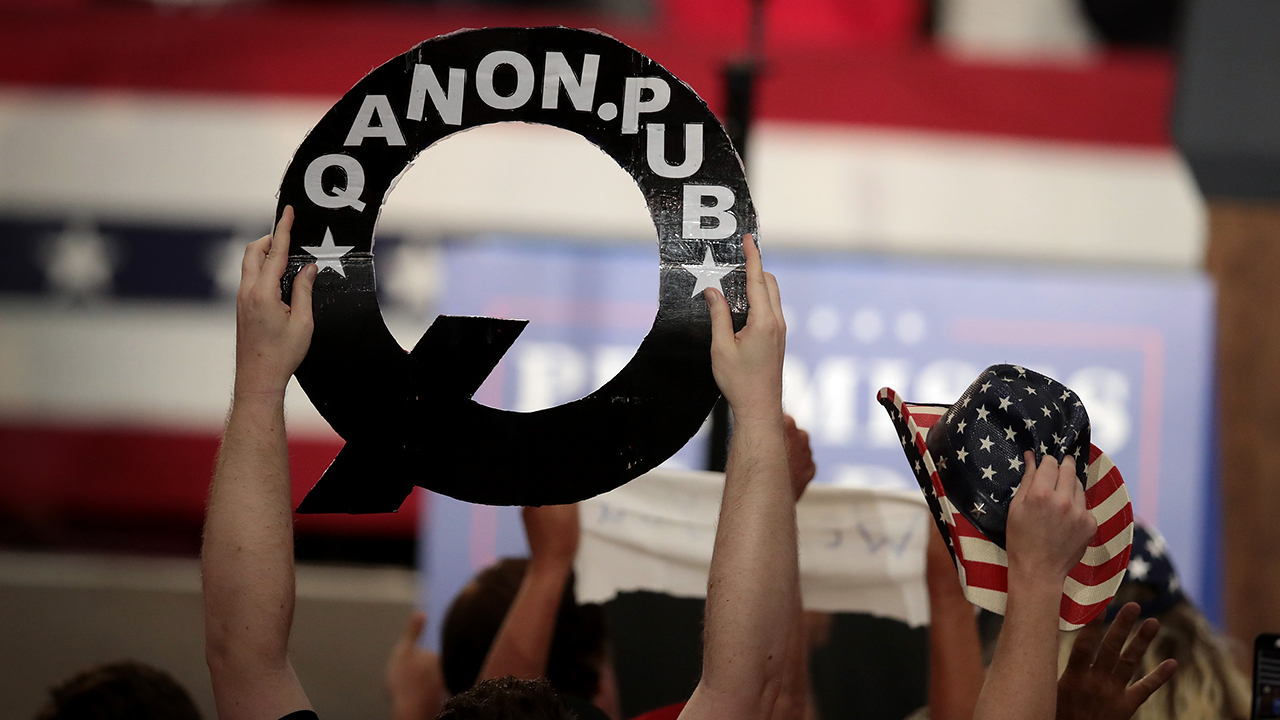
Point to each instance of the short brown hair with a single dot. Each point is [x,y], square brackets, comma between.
[507,698]
[126,690]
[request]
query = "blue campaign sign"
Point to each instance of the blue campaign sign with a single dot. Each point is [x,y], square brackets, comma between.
[1135,346]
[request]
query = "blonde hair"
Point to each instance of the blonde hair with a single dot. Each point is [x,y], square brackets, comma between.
[1207,685]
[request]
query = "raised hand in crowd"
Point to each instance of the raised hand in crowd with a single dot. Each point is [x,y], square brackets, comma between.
[800,463]
[272,337]
[523,642]
[1048,530]
[753,589]
[1098,683]
[414,679]
[956,671]
[247,556]
[794,698]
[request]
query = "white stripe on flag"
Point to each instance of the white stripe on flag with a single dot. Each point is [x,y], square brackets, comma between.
[220,159]
[1095,556]
[1088,595]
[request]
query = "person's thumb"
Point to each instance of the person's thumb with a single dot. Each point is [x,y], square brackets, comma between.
[721,319]
[303,283]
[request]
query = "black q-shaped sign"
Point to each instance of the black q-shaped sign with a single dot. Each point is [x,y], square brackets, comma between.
[408,417]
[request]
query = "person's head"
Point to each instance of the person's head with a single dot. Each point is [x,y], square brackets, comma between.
[124,690]
[578,660]
[507,698]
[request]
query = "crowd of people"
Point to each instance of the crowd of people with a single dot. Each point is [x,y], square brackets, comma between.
[516,643]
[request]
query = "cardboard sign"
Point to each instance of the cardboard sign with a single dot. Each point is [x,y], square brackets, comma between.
[408,417]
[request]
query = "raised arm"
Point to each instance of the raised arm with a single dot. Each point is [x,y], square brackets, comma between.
[956,673]
[523,643]
[793,697]
[1049,529]
[414,679]
[247,557]
[752,599]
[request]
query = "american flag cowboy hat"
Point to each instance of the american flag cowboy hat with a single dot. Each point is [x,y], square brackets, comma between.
[967,458]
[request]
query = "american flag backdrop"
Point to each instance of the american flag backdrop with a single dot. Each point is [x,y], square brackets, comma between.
[140,150]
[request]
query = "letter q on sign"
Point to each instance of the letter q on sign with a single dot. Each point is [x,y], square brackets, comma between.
[339,197]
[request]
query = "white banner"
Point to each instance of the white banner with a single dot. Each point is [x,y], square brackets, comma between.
[861,550]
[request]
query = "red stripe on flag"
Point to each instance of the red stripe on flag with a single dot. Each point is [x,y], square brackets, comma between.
[967,529]
[1112,98]
[1077,614]
[1102,489]
[986,576]
[1113,526]
[124,477]
[1094,575]
[924,420]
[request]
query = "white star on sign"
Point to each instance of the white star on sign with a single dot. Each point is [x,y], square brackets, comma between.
[1009,434]
[1046,412]
[960,427]
[1005,402]
[1015,464]
[986,443]
[988,473]
[1139,568]
[1021,370]
[1031,391]
[709,272]
[985,387]
[328,255]
[962,454]
[1065,395]
[983,412]
[1030,423]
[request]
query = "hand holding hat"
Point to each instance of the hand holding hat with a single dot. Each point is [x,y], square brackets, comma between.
[1049,525]
[973,458]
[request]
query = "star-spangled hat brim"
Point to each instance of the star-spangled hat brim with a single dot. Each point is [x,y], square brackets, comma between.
[983,565]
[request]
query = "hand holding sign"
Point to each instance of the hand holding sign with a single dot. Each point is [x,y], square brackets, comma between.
[408,418]
[748,364]
[271,337]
